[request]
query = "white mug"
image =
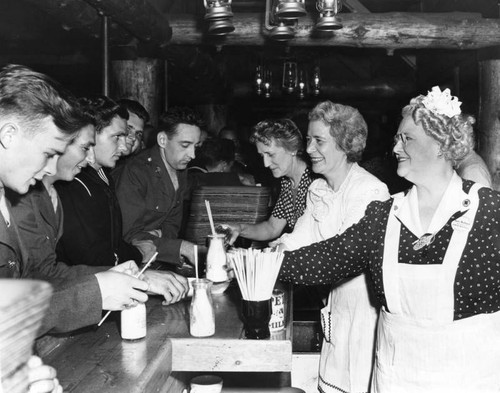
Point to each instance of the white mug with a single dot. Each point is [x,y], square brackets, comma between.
[206,384]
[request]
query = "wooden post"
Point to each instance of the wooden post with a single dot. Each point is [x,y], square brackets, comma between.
[105,56]
[165,82]
[141,80]
[489,123]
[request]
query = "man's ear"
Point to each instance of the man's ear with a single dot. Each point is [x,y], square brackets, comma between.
[162,139]
[7,133]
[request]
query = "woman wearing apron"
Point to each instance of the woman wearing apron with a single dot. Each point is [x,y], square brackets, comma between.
[433,254]
[336,139]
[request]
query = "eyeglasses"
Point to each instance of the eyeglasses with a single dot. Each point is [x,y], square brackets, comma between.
[400,138]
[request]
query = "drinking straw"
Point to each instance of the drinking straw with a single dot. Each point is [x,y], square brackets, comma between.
[256,272]
[210,218]
[196,260]
[136,276]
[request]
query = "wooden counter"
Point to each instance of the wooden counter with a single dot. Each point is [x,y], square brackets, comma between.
[98,360]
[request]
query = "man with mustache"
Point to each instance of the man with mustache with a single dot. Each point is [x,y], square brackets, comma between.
[152,185]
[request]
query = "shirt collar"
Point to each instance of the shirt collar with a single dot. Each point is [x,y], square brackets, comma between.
[453,200]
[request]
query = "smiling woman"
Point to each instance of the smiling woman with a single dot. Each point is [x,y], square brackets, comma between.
[424,138]
[336,138]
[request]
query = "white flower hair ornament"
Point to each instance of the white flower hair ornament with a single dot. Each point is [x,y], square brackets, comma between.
[442,102]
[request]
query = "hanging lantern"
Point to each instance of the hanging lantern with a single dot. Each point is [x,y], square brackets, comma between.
[282,32]
[290,9]
[316,81]
[259,81]
[268,80]
[302,85]
[328,19]
[280,29]
[289,81]
[219,15]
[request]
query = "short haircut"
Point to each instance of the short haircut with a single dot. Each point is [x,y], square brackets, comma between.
[136,108]
[32,96]
[455,135]
[347,127]
[283,132]
[215,150]
[178,115]
[102,110]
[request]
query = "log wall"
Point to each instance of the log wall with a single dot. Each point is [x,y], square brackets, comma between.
[141,80]
[489,123]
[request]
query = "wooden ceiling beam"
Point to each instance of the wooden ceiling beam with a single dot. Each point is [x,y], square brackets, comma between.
[129,19]
[72,15]
[138,17]
[363,30]
[356,6]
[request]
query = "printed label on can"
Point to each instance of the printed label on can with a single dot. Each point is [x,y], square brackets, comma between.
[277,321]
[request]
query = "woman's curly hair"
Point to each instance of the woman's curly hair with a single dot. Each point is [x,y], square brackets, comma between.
[347,127]
[284,132]
[454,134]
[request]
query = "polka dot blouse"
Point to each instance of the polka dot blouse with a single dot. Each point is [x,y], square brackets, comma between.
[285,207]
[477,281]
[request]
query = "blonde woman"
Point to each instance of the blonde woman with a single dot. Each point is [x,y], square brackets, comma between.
[336,138]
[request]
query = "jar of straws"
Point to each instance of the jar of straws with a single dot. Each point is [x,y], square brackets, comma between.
[256,272]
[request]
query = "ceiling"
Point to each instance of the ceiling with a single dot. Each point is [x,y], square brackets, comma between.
[63,38]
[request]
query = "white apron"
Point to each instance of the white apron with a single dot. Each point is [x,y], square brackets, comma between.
[349,322]
[420,348]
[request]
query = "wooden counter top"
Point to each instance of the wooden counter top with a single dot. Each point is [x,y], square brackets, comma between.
[98,360]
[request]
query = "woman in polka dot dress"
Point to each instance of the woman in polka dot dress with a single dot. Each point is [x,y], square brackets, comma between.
[336,140]
[433,254]
[280,144]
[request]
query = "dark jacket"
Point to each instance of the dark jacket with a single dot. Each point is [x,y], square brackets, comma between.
[13,254]
[149,202]
[76,301]
[92,223]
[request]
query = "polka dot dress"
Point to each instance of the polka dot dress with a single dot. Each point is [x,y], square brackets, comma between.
[285,207]
[477,281]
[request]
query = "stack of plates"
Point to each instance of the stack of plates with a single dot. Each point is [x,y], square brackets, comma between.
[229,205]
[22,307]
